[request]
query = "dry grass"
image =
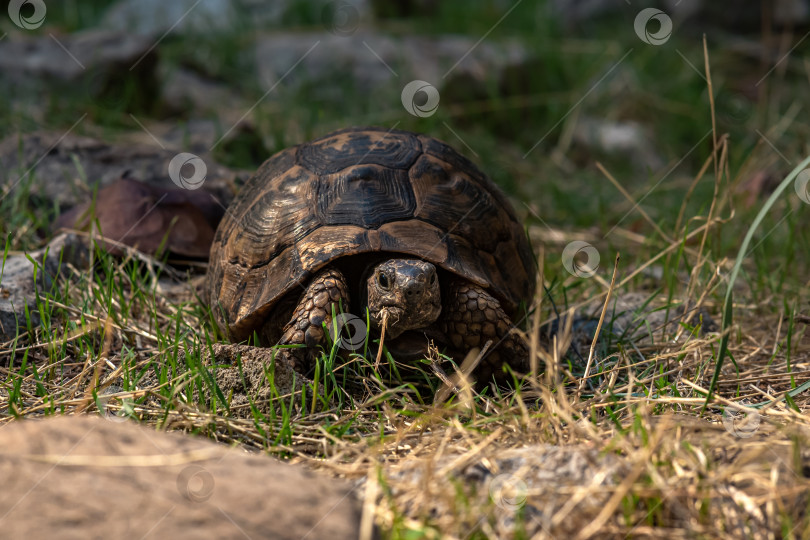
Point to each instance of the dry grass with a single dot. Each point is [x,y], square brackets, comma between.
[622,446]
[630,454]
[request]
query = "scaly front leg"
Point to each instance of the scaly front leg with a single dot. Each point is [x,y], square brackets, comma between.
[325,292]
[471,317]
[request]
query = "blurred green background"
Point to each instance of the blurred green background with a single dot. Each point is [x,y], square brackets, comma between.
[534,92]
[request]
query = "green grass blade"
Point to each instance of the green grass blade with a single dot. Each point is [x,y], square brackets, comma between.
[727,303]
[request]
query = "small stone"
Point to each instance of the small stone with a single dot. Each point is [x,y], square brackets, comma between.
[17,288]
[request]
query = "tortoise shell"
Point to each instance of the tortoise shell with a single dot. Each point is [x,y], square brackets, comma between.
[360,191]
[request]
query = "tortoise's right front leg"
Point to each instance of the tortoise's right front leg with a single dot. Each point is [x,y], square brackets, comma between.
[470,317]
[326,291]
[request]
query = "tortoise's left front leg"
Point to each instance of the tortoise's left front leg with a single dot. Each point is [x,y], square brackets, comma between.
[325,293]
[471,317]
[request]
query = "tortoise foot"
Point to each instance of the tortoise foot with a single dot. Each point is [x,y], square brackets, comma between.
[323,296]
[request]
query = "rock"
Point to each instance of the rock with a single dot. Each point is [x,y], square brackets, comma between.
[627,140]
[18,291]
[156,17]
[635,314]
[87,477]
[149,218]
[185,90]
[264,395]
[104,64]
[746,17]
[691,14]
[341,17]
[369,61]
[534,482]
[632,317]
[50,158]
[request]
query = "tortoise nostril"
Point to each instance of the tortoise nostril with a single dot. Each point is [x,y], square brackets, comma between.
[412,289]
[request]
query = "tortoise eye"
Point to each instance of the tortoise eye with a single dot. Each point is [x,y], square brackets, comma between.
[382,280]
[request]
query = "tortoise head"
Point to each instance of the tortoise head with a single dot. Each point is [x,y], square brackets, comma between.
[407,292]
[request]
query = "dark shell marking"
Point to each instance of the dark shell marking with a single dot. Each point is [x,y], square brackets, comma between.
[362,190]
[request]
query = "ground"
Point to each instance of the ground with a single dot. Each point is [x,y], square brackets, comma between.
[681,158]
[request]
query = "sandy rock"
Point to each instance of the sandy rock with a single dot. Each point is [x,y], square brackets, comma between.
[156,17]
[87,477]
[18,290]
[49,157]
[369,61]
[100,62]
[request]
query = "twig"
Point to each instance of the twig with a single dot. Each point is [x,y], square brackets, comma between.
[382,340]
[599,326]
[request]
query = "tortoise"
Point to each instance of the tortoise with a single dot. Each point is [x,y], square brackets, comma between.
[367,217]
